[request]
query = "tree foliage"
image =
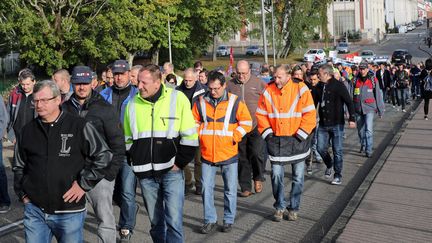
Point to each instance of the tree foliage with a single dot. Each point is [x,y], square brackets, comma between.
[298,20]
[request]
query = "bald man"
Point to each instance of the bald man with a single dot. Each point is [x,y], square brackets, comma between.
[193,89]
[251,149]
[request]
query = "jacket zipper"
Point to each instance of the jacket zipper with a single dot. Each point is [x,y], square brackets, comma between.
[151,138]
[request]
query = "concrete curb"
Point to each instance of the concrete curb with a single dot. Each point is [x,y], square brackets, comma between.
[324,225]
[391,140]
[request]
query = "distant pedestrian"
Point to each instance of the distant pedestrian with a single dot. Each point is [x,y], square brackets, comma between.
[426,86]
[4,194]
[331,123]
[118,95]
[134,74]
[62,79]
[251,167]
[367,101]
[402,84]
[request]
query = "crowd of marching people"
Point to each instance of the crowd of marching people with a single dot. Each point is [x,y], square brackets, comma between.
[83,141]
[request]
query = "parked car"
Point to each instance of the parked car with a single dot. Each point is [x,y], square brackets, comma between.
[401,56]
[222,51]
[419,22]
[402,29]
[410,27]
[382,59]
[254,51]
[313,55]
[342,47]
[367,55]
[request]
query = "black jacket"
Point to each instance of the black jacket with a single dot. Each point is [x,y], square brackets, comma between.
[384,80]
[49,157]
[103,117]
[334,95]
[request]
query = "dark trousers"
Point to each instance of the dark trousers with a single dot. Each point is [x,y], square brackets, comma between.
[426,106]
[251,160]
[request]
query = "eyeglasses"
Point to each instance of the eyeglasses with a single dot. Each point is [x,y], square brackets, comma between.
[43,101]
[214,89]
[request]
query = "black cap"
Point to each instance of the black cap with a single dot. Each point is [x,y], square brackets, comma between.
[81,75]
[363,65]
[120,66]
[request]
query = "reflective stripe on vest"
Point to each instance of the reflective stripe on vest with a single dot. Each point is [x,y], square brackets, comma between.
[169,133]
[291,113]
[224,132]
[289,158]
[156,167]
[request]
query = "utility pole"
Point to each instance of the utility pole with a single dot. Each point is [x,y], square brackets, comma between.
[264,32]
[169,40]
[273,34]
[334,23]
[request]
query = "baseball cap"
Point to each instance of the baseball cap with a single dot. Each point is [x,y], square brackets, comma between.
[120,66]
[81,75]
[363,65]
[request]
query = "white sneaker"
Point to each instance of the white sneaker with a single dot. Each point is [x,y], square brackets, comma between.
[426,118]
[403,110]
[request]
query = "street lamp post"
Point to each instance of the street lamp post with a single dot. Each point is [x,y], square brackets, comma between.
[169,40]
[273,35]
[264,32]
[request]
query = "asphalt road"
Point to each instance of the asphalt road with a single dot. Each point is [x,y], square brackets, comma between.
[321,204]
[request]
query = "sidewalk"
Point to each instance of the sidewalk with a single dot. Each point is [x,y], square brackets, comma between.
[398,205]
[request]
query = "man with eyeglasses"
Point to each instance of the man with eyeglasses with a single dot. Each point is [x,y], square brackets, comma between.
[60,158]
[248,88]
[367,101]
[223,120]
[90,105]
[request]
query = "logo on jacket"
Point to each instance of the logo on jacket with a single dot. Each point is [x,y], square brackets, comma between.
[65,150]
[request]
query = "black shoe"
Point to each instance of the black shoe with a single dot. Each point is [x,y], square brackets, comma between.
[208,228]
[368,155]
[226,228]
[361,149]
[198,190]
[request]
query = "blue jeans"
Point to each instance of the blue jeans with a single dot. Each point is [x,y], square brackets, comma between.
[277,177]
[365,130]
[128,205]
[164,198]
[315,145]
[335,134]
[4,195]
[229,176]
[402,96]
[41,227]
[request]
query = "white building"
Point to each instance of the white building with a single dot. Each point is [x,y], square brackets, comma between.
[402,11]
[369,16]
[366,16]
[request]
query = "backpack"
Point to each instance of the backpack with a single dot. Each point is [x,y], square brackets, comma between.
[428,82]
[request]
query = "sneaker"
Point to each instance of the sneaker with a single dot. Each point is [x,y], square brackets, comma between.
[403,110]
[309,169]
[125,235]
[336,181]
[291,215]
[226,228]
[278,215]
[394,106]
[4,209]
[328,172]
[208,228]
[361,149]
[368,155]
[426,118]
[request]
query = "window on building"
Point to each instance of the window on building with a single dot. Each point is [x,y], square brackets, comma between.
[344,21]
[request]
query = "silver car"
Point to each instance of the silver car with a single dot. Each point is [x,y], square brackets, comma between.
[222,51]
[342,47]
